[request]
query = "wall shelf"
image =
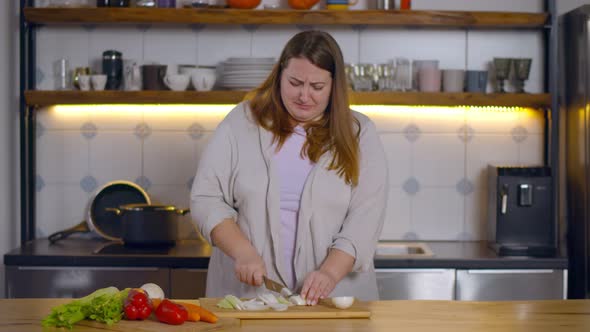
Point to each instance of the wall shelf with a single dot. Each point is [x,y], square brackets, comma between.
[47,98]
[398,18]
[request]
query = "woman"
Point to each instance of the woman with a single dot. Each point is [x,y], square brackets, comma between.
[293,184]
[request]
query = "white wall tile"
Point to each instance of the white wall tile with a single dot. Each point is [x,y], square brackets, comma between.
[530,151]
[348,40]
[476,209]
[115,117]
[115,156]
[169,158]
[269,40]
[182,117]
[51,118]
[59,207]
[170,45]
[380,44]
[483,46]
[388,119]
[492,121]
[398,151]
[439,160]
[216,43]
[437,213]
[485,149]
[440,120]
[532,120]
[62,157]
[397,215]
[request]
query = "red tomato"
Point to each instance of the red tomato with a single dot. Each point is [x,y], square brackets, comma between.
[138,299]
[144,311]
[131,312]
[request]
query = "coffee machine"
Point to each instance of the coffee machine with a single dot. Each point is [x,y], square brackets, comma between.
[520,211]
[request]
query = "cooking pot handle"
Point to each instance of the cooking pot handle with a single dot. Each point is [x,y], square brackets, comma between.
[182,212]
[80,228]
[115,210]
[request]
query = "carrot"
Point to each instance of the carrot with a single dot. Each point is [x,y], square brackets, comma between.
[205,315]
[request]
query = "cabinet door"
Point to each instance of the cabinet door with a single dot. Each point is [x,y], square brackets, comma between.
[188,283]
[72,282]
[512,284]
[416,284]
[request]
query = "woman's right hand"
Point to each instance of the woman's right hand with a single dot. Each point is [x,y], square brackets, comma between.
[250,268]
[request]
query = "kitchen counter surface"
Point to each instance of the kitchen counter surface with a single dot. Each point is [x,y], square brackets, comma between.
[79,251]
[25,315]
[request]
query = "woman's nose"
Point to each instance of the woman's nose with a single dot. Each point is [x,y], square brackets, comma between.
[304,93]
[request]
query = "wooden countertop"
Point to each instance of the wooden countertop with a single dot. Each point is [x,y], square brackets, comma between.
[24,315]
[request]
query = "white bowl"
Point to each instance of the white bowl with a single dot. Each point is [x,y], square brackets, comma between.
[343,302]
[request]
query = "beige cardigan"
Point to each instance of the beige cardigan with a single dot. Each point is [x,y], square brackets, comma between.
[237,179]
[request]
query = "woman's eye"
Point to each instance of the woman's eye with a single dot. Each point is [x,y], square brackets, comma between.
[293,83]
[317,87]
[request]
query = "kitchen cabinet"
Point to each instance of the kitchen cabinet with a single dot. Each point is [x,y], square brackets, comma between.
[511,284]
[416,284]
[188,283]
[472,284]
[66,281]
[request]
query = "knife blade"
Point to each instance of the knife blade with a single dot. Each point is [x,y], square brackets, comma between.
[277,287]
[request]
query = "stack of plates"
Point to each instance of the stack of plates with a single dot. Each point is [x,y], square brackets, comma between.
[244,73]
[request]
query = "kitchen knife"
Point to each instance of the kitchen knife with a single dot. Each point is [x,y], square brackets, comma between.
[277,287]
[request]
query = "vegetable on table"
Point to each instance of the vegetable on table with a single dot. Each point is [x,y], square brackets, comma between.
[104,305]
[137,305]
[204,314]
[171,313]
[153,291]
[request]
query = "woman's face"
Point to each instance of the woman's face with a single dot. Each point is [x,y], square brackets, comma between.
[305,90]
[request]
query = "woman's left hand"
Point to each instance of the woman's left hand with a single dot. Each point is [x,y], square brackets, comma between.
[317,285]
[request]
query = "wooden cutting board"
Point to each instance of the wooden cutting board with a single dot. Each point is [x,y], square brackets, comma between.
[324,309]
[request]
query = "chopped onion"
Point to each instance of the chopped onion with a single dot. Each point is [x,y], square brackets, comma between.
[297,300]
[254,306]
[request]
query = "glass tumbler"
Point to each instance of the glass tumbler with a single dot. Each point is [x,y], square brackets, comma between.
[61,72]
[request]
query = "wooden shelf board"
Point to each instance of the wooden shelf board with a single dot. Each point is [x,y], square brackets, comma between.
[399,18]
[47,98]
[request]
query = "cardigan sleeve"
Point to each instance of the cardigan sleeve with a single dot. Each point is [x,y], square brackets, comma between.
[366,213]
[212,190]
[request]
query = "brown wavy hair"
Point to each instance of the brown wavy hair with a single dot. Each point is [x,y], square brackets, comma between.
[338,130]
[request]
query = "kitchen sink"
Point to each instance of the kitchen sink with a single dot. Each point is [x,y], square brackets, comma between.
[387,249]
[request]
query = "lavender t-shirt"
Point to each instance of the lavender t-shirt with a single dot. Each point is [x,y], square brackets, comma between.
[293,171]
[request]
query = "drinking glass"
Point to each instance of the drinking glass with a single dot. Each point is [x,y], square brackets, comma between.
[502,71]
[522,69]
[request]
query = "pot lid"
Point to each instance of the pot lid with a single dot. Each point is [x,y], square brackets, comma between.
[147,207]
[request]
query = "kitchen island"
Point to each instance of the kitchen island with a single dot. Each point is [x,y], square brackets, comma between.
[24,315]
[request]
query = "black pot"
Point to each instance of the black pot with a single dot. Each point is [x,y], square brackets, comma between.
[149,224]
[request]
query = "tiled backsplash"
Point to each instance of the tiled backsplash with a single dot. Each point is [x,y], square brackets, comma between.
[437,156]
[437,159]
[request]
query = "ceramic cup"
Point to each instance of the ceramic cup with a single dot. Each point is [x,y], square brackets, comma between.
[453,80]
[84,82]
[416,65]
[203,78]
[429,79]
[177,82]
[98,81]
[476,80]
